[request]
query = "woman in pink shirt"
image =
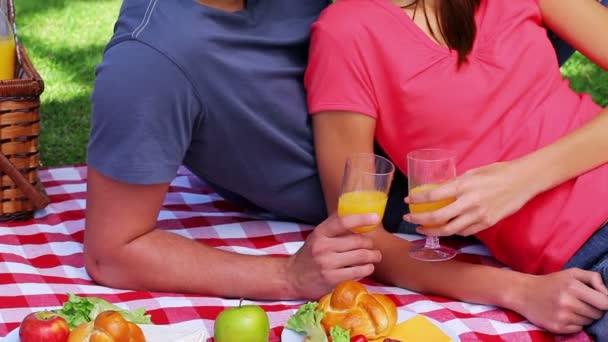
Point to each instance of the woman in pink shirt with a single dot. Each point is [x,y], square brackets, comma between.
[479,77]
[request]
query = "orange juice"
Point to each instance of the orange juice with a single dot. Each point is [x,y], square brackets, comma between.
[362,202]
[7,59]
[430,206]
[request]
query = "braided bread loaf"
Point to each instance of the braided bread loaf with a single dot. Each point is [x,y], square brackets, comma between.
[350,306]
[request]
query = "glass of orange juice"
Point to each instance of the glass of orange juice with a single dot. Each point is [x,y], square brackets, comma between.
[365,185]
[428,169]
[7,49]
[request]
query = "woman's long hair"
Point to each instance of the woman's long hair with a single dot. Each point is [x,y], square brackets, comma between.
[456,21]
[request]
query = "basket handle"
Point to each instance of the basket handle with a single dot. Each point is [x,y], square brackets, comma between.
[38,198]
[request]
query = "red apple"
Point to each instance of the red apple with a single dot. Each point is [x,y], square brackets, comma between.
[44,326]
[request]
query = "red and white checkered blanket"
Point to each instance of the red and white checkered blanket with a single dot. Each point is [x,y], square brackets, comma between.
[41,261]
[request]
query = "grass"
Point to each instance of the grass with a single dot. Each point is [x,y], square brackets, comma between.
[65,39]
[587,77]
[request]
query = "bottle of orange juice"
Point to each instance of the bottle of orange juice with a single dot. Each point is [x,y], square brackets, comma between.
[7,48]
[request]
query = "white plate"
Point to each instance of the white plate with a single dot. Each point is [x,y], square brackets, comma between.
[190,331]
[402,316]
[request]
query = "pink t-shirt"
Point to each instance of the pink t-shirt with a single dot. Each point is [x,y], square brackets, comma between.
[368,56]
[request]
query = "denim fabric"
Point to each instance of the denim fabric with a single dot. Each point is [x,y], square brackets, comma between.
[563,50]
[593,256]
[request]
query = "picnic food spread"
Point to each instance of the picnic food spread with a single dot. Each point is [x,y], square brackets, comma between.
[44,326]
[350,313]
[90,318]
[351,307]
[77,310]
[245,320]
[109,326]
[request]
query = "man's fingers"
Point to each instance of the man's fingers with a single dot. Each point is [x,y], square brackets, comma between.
[351,258]
[336,226]
[350,273]
[351,242]
[447,190]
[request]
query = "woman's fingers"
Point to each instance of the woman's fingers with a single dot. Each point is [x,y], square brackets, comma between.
[456,226]
[584,301]
[447,190]
[587,292]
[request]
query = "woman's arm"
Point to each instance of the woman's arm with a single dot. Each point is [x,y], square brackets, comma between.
[582,23]
[562,302]
[493,192]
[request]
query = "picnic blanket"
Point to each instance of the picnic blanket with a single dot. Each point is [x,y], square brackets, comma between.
[41,261]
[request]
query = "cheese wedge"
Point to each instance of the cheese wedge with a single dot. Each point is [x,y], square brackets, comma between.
[417,329]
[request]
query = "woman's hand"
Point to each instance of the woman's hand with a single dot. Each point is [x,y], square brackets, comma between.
[484,196]
[564,302]
[331,254]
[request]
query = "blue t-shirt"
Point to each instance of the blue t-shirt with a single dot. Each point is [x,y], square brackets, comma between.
[221,93]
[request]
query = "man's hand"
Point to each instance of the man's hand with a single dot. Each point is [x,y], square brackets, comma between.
[484,196]
[566,301]
[331,254]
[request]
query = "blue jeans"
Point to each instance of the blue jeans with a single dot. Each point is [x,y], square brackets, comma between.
[593,256]
[563,50]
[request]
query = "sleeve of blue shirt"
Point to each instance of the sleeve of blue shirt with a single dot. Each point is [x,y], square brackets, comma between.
[144,110]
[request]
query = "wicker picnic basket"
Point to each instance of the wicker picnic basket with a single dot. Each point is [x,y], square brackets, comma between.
[20,189]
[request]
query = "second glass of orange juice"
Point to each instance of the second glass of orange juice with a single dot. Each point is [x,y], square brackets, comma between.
[427,169]
[365,185]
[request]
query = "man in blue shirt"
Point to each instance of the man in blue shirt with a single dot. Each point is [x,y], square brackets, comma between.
[216,85]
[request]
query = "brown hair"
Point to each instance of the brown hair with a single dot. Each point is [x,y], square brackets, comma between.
[456,21]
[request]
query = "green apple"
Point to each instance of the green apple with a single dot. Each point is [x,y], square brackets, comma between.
[245,323]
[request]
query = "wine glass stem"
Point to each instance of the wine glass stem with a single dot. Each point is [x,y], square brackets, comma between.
[432,242]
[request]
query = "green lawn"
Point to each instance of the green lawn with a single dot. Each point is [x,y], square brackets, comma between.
[587,77]
[65,39]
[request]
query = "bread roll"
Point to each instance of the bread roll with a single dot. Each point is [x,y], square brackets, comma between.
[350,306]
[109,326]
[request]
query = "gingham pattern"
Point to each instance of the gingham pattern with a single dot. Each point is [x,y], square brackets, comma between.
[41,261]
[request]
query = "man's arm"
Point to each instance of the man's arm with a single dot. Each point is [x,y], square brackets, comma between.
[123,249]
[558,302]
[583,24]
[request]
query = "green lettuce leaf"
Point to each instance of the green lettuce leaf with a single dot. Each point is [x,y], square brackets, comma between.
[77,310]
[338,334]
[307,320]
